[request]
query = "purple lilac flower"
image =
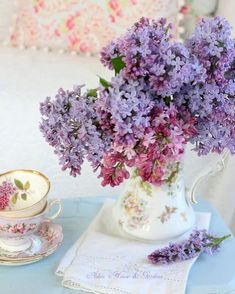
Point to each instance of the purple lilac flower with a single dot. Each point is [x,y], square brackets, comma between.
[212,102]
[112,50]
[139,41]
[147,51]
[215,133]
[70,125]
[124,110]
[212,44]
[175,68]
[198,242]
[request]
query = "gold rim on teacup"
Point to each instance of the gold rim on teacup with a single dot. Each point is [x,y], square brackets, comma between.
[16,213]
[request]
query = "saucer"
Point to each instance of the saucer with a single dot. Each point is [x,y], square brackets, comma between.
[43,243]
[18,263]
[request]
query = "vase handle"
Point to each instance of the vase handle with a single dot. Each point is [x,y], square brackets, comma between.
[211,171]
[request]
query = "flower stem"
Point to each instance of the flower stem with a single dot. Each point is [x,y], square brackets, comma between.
[217,241]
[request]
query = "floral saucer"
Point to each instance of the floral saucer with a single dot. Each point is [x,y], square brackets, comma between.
[43,243]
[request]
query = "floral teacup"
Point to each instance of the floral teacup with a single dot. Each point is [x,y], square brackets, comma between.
[15,232]
[23,193]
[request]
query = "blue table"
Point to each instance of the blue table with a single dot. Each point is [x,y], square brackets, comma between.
[209,275]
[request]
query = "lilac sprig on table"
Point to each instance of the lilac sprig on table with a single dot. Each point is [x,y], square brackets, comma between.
[198,242]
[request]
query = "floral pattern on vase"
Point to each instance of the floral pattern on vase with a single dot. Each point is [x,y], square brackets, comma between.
[82,26]
[166,214]
[166,209]
[135,207]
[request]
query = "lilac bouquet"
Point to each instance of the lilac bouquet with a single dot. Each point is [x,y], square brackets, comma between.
[163,95]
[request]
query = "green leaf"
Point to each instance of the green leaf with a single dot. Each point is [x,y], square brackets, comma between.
[168,100]
[104,83]
[14,198]
[92,93]
[24,196]
[27,185]
[19,184]
[118,64]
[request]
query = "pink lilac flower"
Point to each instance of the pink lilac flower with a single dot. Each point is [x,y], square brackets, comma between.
[154,161]
[6,191]
[198,242]
[113,171]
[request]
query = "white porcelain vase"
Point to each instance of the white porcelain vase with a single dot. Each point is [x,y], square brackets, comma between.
[154,213]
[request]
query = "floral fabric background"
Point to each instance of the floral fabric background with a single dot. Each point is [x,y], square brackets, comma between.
[7,11]
[82,26]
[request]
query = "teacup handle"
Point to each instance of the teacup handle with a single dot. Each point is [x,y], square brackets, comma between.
[52,203]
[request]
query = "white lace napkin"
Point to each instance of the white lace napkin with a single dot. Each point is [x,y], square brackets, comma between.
[101,261]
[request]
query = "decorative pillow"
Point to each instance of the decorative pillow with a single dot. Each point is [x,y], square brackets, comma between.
[7,11]
[82,26]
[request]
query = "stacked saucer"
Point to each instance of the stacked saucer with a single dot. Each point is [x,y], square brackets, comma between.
[27,233]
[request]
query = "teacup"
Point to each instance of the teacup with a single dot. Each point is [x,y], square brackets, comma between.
[27,193]
[15,232]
